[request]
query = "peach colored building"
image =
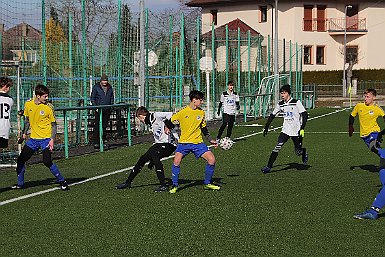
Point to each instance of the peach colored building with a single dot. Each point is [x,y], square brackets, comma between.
[318,26]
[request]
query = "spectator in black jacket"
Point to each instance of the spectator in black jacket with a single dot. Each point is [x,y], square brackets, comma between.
[102,94]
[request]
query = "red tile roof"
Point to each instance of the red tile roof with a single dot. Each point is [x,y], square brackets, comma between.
[233,27]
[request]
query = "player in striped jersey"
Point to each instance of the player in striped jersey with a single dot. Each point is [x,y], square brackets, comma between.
[294,122]
[164,146]
[230,102]
[6,103]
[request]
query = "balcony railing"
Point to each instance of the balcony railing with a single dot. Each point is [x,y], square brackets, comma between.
[335,24]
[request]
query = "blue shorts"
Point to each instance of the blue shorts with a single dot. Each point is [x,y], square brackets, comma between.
[197,149]
[35,144]
[369,138]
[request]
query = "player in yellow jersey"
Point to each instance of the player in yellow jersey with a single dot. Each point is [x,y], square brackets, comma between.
[39,116]
[368,112]
[191,120]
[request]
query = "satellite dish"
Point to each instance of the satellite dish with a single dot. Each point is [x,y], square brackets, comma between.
[206,64]
[152,59]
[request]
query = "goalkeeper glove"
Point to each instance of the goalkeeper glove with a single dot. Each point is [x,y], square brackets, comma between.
[302,133]
[351,130]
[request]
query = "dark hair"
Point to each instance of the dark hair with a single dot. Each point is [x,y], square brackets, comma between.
[285,88]
[41,90]
[230,82]
[141,111]
[5,82]
[196,94]
[371,90]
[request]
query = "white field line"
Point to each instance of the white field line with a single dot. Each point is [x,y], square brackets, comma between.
[129,168]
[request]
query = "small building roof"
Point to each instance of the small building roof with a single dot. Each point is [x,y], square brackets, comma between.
[233,27]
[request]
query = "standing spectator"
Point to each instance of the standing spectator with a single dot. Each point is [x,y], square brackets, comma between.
[230,102]
[294,122]
[102,94]
[6,103]
[39,115]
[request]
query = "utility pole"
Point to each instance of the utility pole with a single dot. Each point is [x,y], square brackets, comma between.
[276,65]
[142,87]
[344,93]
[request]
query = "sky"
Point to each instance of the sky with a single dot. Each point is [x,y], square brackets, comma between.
[153,4]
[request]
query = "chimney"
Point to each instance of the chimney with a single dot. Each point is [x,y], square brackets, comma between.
[24,29]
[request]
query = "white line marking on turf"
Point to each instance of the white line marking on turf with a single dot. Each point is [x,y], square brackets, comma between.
[126,169]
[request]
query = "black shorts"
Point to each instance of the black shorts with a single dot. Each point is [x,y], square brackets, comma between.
[3,142]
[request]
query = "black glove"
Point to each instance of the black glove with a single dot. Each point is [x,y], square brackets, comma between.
[265,131]
[379,138]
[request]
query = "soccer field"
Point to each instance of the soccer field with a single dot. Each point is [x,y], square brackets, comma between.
[293,211]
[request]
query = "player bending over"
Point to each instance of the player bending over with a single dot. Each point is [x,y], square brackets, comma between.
[165,145]
[39,115]
[294,122]
[191,120]
[367,112]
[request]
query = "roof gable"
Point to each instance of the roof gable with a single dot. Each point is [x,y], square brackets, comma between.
[233,29]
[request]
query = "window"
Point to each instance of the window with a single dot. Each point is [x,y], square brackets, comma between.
[308,18]
[307,57]
[351,54]
[263,13]
[214,16]
[320,55]
[321,17]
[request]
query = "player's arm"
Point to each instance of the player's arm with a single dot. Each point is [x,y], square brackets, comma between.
[267,125]
[237,102]
[25,130]
[219,108]
[351,122]
[304,118]
[206,133]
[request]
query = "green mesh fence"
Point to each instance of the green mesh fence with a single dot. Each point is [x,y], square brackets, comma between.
[67,45]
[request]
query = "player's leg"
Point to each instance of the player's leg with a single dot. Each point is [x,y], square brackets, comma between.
[105,119]
[379,201]
[175,170]
[225,121]
[25,155]
[209,171]
[137,168]
[230,125]
[162,150]
[47,161]
[299,150]
[282,139]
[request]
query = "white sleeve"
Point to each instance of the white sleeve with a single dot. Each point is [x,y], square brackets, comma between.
[276,109]
[222,98]
[300,107]
[162,115]
[237,98]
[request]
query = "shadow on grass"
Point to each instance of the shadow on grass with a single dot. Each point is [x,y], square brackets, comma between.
[36,183]
[367,167]
[291,166]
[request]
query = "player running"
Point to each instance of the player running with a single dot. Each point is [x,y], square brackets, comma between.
[367,112]
[164,146]
[191,120]
[294,122]
[39,115]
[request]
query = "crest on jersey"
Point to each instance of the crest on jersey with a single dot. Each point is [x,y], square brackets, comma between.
[199,117]
[42,112]
[371,112]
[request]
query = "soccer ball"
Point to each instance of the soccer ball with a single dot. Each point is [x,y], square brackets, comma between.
[226,143]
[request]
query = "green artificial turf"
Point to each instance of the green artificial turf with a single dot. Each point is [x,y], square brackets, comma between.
[294,211]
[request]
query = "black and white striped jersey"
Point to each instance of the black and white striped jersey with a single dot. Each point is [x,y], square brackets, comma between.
[291,111]
[6,103]
[157,127]
[229,102]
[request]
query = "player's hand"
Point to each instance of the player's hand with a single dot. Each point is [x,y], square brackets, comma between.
[214,143]
[50,145]
[265,130]
[21,139]
[166,130]
[379,138]
[351,130]
[302,133]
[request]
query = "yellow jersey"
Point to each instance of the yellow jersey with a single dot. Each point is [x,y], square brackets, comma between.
[368,115]
[40,118]
[191,122]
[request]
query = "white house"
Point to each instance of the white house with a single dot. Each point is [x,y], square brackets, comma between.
[318,26]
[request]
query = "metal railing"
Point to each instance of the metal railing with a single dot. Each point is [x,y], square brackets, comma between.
[335,24]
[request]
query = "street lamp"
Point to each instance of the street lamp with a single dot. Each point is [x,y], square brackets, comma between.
[343,76]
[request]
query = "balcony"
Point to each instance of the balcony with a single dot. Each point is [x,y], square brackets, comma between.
[336,26]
